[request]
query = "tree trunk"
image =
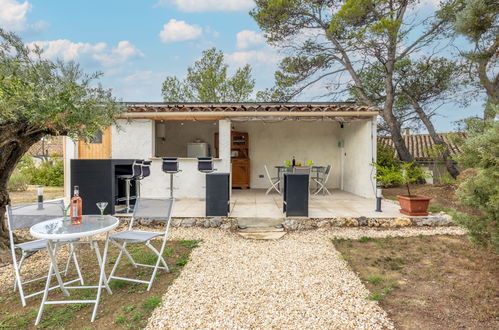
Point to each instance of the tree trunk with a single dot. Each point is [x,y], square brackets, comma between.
[449,164]
[396,136]
[15,141]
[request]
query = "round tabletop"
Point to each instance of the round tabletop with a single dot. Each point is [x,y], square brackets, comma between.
[59,229]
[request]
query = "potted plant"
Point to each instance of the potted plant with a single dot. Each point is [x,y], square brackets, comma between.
[405,174]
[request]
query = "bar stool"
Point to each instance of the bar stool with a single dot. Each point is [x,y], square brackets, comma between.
[136,172]
[145,171]
[170,166]
[205,165]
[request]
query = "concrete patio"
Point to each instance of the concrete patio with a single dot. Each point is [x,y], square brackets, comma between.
[253,203]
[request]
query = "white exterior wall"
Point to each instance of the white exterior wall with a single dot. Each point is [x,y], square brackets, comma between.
[273,143]
[359,152]
[70,152]
[134,140]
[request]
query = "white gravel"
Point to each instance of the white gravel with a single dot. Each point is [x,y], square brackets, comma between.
[299,281]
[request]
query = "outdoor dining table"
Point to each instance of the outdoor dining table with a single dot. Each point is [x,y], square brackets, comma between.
[281,169]
[59,231]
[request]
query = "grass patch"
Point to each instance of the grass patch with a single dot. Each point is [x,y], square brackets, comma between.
[182,261]
[118,284]
[338,240]
[375,296]
[151,303]
[365,239]
[129,307]
[375,279]
[415,279]
[192,244]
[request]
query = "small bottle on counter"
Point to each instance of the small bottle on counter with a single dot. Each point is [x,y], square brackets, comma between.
[293,162]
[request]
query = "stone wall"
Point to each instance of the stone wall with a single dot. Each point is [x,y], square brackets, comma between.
[292,224]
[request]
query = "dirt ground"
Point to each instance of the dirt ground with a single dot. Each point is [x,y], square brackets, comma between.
[443,196]
[30,195]
[428,282]
[129,307]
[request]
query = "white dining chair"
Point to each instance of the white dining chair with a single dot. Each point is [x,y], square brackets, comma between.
[322,181]
[25,216]
[274,182]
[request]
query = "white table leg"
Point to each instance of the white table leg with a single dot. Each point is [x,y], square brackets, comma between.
[45,294]
[52,251]
[102,277]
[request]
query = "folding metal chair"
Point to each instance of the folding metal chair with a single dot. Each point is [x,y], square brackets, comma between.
[274,182]
[145,208]
[25,216]
[321,182]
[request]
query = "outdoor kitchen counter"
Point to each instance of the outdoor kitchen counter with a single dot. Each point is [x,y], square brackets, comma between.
[189,183]
[182,158]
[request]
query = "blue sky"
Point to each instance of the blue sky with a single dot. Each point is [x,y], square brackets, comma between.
[136,44]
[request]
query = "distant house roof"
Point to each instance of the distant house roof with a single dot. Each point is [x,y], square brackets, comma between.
[419,145]
[247,109]
[51,145]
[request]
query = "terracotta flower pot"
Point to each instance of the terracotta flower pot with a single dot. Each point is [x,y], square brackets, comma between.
[414,205]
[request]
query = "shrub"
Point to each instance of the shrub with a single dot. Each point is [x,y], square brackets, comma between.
[386,157]
[480,189]
[18,182]
[406,174]
[48,173]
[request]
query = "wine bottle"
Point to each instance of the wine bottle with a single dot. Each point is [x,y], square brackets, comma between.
[75,207]
[294,161]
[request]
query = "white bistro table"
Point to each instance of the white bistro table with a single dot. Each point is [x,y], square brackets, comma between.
[56,231]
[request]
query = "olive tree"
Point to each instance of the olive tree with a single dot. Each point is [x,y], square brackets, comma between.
[40,97]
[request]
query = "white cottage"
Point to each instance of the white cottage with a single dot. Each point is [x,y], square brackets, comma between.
[342,135]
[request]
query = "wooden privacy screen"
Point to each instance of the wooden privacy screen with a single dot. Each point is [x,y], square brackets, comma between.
[98,148]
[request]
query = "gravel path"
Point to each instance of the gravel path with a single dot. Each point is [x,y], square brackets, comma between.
[299,281]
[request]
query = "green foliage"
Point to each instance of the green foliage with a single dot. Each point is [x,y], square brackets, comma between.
[208,81]
[481,191]
[18,181]
[48,173]
[405,174]
[151,303]
[182,261]
[386,157]
[478,21]
[50,97]
[190,243]
[375,279]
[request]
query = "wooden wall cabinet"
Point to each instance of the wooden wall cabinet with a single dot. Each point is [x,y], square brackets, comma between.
[239,159]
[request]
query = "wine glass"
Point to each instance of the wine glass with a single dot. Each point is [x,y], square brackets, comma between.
[102,206]
[64,210]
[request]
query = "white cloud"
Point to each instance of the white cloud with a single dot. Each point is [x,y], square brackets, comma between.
[174,31]
[208,5]
[14,16]
[119,54]
[253,57]
[246,39]
[68,51]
